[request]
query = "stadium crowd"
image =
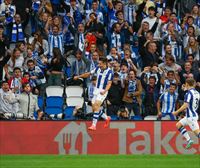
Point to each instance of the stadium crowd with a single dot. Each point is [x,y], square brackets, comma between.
[152,47]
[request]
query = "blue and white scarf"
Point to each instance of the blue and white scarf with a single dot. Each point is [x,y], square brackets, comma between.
[36,5]
[176,48]
[16,82]
[55,41]
[17,33]
[10,9]
[197,21]
[129,10]
[81,42]
[132,87]
[116,41]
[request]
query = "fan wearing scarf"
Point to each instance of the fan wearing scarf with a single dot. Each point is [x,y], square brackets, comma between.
[17,30]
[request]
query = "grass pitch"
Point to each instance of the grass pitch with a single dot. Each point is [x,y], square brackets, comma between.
[100,161]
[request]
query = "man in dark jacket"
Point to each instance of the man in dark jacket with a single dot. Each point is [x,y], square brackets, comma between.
[114,98]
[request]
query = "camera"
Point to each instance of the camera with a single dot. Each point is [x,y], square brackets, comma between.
[8,116]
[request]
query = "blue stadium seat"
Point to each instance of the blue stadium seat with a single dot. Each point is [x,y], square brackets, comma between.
[114,117]
[53,110]
[68,71]
[40,102]
[69,113]
[136,118]
[54,101]
[35,115]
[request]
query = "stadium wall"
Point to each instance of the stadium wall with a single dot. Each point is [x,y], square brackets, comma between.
[62,137]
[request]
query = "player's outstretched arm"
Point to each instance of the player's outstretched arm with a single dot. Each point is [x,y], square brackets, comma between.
[85,75]
[182,108]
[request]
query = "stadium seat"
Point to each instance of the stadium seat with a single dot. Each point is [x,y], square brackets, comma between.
[114,117]
[74,91]
[151,117]
[69,113]
[54,91]
[53,110]
[40,102]
[75,101]
[54,101]
[136,117]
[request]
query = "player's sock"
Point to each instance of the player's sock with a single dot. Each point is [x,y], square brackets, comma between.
[184,132]
[95,118]
[103,115]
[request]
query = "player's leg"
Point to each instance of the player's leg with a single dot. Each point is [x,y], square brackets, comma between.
[100,99]
[180,126]
[194,126]
[95,107]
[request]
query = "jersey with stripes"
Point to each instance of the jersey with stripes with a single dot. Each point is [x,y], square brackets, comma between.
[168,102]
[103,77]
[192,97]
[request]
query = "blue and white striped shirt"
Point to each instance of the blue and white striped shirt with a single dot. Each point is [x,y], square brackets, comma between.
[192,97]
[103,77]
[168,101]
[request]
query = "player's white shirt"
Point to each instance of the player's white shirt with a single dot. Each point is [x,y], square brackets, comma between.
[192,97]
[103,77]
